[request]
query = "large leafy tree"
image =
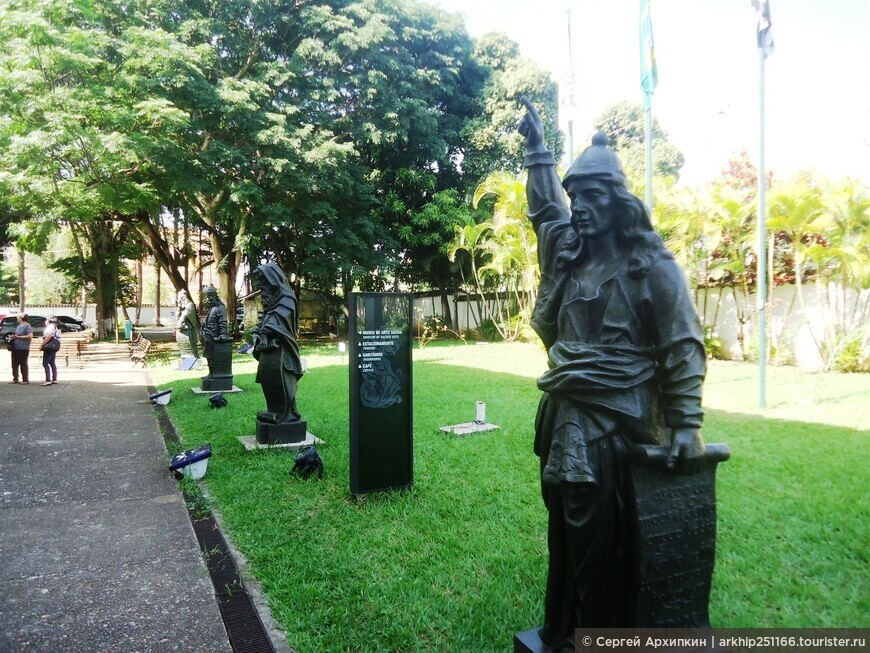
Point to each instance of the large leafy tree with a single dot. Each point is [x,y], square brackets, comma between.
[492,141]
[625,124]
[73,128]
[311,133]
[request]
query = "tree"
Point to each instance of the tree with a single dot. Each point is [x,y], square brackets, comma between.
[491,137]
[77,131]
[625,124]
[503,254]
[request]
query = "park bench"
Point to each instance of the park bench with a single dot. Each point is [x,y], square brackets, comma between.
[72,345]
[134,341]
[140,352]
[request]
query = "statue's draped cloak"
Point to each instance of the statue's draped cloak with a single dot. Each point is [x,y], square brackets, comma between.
[277,351]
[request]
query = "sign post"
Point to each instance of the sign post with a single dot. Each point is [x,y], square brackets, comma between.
[381,406]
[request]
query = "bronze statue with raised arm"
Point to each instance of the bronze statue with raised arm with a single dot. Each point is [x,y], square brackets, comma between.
[626,364]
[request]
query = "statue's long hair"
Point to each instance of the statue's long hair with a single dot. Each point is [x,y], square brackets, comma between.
[634,234]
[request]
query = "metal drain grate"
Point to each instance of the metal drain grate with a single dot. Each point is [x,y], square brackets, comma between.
[241,620]
[244,628]
[243,624]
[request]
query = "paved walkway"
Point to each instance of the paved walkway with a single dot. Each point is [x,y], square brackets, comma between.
[96,549]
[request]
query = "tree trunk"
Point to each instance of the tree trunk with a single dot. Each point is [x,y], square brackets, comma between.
[21,300]
[139,289]
[100,307]
[445,310]
[161,250]
[157,296]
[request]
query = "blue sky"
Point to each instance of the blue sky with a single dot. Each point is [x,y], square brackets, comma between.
[817,82]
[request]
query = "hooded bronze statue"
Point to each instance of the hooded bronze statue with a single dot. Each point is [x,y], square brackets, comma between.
[277,350]
[626,363]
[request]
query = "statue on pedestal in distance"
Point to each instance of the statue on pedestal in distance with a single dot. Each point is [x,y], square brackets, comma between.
[217,344]
[187,326]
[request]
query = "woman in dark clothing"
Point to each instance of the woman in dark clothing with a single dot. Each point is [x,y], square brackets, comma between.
[50,345]
[21,349]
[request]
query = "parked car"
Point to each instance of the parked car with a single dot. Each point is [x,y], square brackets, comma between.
[67,323]
[64,322]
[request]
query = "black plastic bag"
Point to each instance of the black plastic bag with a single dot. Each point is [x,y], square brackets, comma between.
[218,400]
[308,463]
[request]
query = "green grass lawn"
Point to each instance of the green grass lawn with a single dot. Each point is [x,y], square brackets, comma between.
[458,562]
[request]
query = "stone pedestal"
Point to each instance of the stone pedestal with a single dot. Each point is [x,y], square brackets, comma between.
[215,384]
[676,517]
[220,365]
[468,428]
[184,347]
[289,433]
[529,642]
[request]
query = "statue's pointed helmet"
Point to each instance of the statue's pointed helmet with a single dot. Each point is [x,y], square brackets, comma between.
[597,161]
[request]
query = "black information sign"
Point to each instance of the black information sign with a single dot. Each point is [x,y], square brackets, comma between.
[381,410]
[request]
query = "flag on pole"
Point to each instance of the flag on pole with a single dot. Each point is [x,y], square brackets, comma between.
[649,77]
[765,31]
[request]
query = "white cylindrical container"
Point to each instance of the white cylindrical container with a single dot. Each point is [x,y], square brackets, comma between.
[480,417]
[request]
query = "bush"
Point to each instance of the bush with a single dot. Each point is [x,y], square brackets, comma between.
[713,344]
[489,331]
[850,356]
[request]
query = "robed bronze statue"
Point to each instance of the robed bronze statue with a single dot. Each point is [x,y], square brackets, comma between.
[277,351]
[626,364]
[187,326]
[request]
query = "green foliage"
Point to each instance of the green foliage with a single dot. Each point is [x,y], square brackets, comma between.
[491,137]
[502,253]
[490,331]
[625,124]
[316,134]
[850,355]
[713,344]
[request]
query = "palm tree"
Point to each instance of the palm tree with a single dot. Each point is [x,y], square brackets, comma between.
[795,208]
[731,244]
[503,253]
[513,251]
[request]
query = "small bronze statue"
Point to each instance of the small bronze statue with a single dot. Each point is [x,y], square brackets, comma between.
[217,344]
[187,326]
[277,351]
[626,365]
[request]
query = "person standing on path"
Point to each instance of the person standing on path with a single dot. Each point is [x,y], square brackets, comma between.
[50,345]
[21,349]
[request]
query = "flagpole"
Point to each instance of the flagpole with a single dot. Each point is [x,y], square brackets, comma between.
[570,94]
[762,240]
[648,143]
[648,81]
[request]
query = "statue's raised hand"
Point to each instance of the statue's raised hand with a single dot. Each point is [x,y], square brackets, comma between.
[531,126]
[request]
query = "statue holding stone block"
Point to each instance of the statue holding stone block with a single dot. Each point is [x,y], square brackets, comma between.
[626,365]
[217,344]
[277,352]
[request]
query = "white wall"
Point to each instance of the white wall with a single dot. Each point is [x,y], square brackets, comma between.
[791,327]
[167,313]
